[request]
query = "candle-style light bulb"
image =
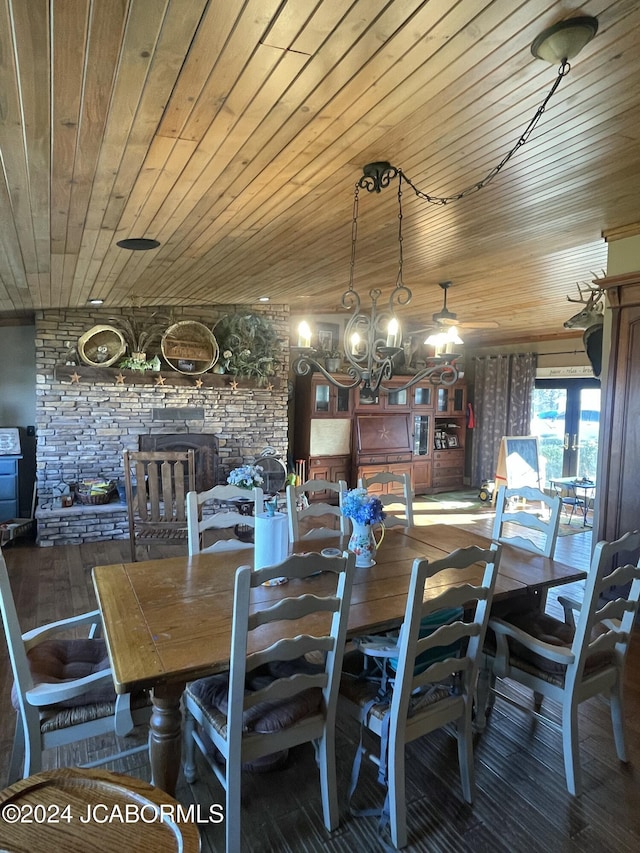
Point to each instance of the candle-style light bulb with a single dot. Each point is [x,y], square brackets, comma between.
[355,343]
[393,332]
[304,334]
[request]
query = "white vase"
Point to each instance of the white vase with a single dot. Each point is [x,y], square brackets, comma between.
[363,543]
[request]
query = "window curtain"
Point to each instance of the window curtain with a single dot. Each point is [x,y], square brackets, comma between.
[503,392]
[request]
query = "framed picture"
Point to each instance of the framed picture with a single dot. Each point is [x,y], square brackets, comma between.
[452,441]
[327,336]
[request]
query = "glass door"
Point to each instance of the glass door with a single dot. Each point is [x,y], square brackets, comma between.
[566,419]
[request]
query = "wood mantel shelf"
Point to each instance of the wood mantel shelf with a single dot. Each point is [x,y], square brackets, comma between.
[75,373]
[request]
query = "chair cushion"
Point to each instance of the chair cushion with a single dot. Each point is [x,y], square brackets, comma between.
[213,693]
[549,630]
[212,696]
[57,661]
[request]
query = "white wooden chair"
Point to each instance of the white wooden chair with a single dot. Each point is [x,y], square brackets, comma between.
[53,708]
[198,522]
[532,528]
[435,677]
[572,664]
[316,509]
[402,495]
[244,726]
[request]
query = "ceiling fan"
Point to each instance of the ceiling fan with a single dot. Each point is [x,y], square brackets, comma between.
[444,318]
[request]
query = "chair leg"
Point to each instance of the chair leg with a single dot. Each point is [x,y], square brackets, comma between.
[326,759]
[570,748]
[617,719]
[18,756]
[397,794]
[465,755]
[233,807]
[189,748]
[123,721]
[485,697]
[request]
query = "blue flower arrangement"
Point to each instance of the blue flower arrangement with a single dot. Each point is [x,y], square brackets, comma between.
[246,476]
[359,505]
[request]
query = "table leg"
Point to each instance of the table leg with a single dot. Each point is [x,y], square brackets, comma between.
[165,736]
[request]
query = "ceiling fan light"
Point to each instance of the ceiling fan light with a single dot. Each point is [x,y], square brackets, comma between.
[437,339]
[564,40]
[453,337]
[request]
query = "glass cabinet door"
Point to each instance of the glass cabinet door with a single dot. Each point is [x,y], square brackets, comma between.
[423,395]
[457,401]
[397,398]
[442,401]
[322,399]
[421,437]
[342,399]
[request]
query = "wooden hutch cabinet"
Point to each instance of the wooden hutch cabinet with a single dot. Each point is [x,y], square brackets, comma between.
[322,430]
[449,436]
[419,430]
[618,493]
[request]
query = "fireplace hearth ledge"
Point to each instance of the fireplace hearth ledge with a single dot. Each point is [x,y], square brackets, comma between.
[81,523]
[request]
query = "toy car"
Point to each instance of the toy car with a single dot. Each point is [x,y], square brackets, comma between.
[486,490]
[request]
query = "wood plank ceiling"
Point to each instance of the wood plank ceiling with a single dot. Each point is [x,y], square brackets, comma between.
[233,132]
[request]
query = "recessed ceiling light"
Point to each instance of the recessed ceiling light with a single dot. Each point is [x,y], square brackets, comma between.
[138,244]
[263,299]
[96,301]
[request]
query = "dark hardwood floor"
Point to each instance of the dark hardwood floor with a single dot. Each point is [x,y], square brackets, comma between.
[521,803]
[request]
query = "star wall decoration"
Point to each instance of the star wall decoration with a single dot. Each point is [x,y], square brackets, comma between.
[75,377]
[199,383]
[160,380]
[120,379]
[234,385]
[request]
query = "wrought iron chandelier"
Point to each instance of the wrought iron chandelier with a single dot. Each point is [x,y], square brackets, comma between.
[373,340]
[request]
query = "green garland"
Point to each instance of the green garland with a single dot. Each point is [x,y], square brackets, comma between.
[249,346]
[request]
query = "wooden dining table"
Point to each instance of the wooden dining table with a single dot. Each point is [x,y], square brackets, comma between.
[168,621]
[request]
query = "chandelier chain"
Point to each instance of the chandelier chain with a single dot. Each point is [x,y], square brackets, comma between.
[399,281]
[432,199]
[354,236]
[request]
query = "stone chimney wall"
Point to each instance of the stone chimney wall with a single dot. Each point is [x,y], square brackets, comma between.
[83,428]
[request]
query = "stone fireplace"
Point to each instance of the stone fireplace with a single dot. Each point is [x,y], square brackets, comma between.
[85,424]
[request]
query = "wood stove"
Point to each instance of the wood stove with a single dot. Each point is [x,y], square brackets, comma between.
[206,452]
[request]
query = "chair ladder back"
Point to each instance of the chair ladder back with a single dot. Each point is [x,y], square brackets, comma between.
[404,496]
[615,615]
[199,520]
[317,508]
[162,481]
[475,599]
[510,526]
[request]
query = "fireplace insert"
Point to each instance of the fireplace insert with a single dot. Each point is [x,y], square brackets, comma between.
[206,452]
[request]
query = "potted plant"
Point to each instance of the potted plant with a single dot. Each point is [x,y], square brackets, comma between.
[332,359]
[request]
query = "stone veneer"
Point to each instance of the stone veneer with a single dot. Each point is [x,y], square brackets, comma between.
[83,428]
